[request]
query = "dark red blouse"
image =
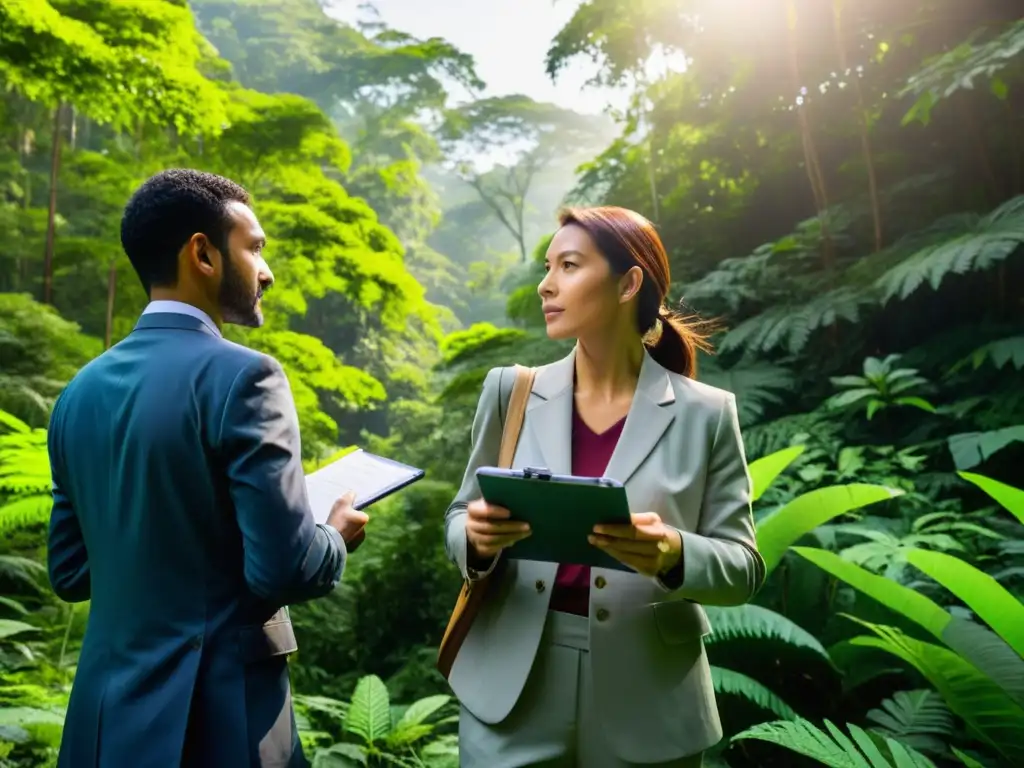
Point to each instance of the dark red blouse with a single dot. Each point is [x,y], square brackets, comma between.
[591,453]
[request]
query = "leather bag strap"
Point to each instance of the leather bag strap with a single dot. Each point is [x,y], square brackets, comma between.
[516,414]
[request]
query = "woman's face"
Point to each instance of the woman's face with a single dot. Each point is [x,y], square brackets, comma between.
[580,294]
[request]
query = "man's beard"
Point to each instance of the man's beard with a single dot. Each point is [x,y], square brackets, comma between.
[238,304]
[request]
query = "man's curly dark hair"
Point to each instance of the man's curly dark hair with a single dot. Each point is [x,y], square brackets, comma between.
[166,211]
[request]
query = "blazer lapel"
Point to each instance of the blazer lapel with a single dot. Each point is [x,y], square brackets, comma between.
[550,419]
[647,421]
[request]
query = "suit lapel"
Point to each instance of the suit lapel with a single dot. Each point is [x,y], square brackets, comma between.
[550,419]
[646,423]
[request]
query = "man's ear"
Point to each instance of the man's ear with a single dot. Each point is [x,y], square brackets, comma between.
[201,255]
[630,283]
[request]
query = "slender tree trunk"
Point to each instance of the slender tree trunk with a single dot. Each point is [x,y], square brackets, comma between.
[51,222]
[863,124]
[111,291]
[813,166]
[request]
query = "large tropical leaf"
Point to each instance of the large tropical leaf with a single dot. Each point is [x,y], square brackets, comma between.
[983,594]
[764,471]
[919,719]
[782,528]
[971,695]
[1012,499]
[369,714]
[969,449]
[978,645]
[728,682]
[413,725]
[835,748]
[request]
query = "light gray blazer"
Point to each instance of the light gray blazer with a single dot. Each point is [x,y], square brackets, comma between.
[680,455]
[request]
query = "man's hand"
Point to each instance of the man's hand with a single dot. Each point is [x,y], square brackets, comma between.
[489,530]
[648,545]
[349,522]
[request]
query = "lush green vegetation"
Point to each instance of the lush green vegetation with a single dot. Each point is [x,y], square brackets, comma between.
[840,184]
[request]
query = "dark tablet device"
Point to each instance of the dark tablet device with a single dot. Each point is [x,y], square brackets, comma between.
[562,511]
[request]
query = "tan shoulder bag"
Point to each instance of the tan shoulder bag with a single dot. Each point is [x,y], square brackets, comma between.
[473,593]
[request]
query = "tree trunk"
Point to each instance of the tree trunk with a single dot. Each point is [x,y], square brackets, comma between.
[862,123]
[111,291]
[51,221]
[813,165]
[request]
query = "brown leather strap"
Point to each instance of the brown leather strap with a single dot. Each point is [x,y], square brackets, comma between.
[516,413]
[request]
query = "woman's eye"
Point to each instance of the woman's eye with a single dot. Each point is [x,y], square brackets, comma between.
[567,264]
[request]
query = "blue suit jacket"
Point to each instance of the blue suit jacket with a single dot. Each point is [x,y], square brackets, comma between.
[180,511]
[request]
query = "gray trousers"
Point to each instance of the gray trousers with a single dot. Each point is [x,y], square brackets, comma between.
[553,725]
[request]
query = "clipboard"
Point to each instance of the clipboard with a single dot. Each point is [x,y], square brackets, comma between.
[369,476]
[562,511]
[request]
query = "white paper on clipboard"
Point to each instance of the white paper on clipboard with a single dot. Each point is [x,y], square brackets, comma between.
[371,477]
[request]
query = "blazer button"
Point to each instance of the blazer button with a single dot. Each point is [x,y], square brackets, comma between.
[600,583]
[602,614]
[539,586]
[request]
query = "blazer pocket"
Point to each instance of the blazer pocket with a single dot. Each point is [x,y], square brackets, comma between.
[680,621]
[274,638]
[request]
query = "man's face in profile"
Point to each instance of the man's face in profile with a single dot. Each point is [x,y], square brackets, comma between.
[246,274]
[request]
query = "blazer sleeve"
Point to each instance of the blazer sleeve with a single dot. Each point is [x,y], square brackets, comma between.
[721,564]
[288,557]
[67,558]
[486,440]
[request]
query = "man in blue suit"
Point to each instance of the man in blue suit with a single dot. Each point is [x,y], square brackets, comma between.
[179,505]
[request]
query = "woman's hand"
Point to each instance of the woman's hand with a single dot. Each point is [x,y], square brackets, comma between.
[489,530]
[647,545]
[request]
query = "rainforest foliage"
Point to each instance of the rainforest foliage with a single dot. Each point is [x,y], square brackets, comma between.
[840,186]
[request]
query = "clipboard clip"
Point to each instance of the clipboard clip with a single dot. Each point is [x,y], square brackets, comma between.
[536,473]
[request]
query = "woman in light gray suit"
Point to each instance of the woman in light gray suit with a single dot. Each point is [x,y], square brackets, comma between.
[599,668]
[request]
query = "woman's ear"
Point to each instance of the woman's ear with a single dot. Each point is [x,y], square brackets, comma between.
[630,284]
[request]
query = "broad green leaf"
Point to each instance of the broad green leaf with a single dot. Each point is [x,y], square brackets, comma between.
[787,525]
[1009,497]
[969,694]
[369,714]
[9,628]
[966,759]
[764,471]
[969,449]
[979,591]
[889,593]
[730,682]
[13,423]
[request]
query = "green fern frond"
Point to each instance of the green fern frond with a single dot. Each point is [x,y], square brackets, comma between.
[753,622]
[835,748]
[989,240]
[919,719]
[791,327]
[1000,353]
[756,385]
[728,682]
[24,512]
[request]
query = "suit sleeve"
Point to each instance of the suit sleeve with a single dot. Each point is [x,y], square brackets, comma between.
[486,440]
[721,564]
[288,557]
[67,559]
